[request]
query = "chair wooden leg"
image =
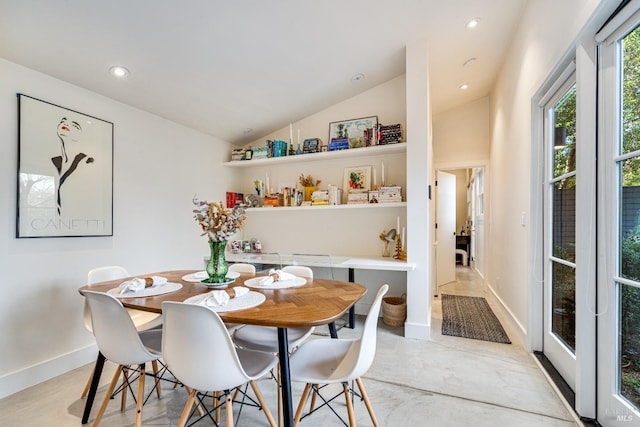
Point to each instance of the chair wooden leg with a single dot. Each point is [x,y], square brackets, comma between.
[187,408]
[229,409]
[125,387]
[199,406]
[303,401]
[140,396]
[107,396]
[314,396]
[154,364]
[216,404]
[86,387]
[367,402]
[279,393]
[347,395]
[263,403]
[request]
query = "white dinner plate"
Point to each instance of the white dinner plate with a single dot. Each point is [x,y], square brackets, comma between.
[254,282]
[147,292]
[248,300]
[197,277]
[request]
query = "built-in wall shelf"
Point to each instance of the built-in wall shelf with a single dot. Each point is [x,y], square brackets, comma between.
[325,155]
[327,207]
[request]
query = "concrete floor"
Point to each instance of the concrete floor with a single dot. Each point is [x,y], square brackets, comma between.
[447,381]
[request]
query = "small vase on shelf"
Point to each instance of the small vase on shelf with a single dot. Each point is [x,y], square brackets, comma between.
[308,191]
[217,266]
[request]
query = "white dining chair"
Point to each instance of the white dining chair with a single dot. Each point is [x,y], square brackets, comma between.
[265,338]
[240,267]
[142,320]
[329,361]
[199,352]
[120,342]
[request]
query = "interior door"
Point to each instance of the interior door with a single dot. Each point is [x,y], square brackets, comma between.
[445,228]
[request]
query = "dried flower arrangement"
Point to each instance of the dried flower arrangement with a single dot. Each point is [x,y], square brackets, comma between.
[218,223]
[307,181]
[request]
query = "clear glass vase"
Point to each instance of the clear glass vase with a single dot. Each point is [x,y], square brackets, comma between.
[217,266]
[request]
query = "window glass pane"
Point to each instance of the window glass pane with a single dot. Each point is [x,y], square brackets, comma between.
[630,89]
[630,221]
[629,361]
[564,219]
[564,139]
[563,296]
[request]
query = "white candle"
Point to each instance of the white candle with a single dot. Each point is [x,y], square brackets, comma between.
[397,224]
[382,174]
[291,133]
[375,180]
[268,192]
[403,237]
[298,136]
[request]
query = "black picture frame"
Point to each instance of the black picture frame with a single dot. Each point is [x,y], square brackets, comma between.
[311,145]
[65,172]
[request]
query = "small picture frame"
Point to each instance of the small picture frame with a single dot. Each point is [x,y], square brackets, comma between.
[356,178]
[359,132]
[324,148]
[311,145]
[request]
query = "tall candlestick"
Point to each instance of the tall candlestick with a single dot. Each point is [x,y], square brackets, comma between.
[291,133]
[398,224]
[268,192]
[403,237]
[298,136]
[375,181]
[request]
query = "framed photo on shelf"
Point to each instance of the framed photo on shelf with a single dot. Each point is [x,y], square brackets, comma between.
[356,178]
[65,172]
[311,145]
[359,132]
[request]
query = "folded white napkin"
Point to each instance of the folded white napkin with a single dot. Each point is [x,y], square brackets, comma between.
[222,297]
[200,275]
[138,284]
[275,275]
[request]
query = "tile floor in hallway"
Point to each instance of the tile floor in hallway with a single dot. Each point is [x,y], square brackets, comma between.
[446,381]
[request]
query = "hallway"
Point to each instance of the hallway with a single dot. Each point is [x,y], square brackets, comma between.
[447,381]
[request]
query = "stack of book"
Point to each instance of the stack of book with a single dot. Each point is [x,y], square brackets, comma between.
[390,194]
[356,197]
[320,198]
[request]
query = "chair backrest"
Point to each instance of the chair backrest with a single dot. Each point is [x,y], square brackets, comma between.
[114,330]
[362,352]
[299,270]
[323,263]
[198,349]
[101,274]
[240,267]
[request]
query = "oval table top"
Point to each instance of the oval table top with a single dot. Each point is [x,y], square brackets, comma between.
[318,302]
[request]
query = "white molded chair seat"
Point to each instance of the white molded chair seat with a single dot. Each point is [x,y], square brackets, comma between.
[327,361]
[199,352]
[120,342]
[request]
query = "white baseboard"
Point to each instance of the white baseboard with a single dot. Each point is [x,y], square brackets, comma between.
[514,324]
[27,377]
[417,331]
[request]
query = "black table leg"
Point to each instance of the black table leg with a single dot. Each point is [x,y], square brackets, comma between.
[95,380]
[332,330]
[352,310]
[285,378]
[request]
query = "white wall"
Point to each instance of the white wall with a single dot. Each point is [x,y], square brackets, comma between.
[545,33]
[158,166]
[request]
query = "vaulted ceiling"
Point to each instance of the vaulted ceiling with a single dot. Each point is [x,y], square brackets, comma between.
[241,69]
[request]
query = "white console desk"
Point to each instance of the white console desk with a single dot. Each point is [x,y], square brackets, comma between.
[325,261]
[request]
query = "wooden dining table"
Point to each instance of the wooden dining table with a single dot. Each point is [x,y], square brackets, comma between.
[317,302]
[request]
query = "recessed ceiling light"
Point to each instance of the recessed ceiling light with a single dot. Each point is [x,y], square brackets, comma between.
[357,77]
[473,23]
[119,71]
[469,62]
[464,86]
